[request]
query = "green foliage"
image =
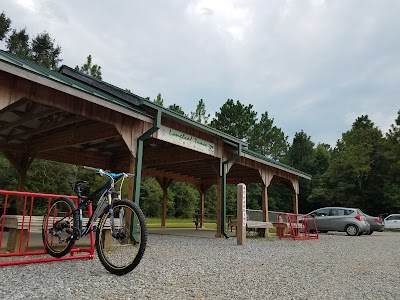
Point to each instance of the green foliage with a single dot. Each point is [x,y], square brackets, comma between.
[44,51]
[186,199]
[280,197]
[159,100]
[151,195]
[237,119]
[210,201]
[300,154]
[5,24]
[177,109]
[391,200]
[363,170]
[8,175]
[89,69]
[356,171]
[41,49]
[267,139]
[200,115]
[18,43]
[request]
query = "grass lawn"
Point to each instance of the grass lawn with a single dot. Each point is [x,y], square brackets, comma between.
[177,223]
[183,223]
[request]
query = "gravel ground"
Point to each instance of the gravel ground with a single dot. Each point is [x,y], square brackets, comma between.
[175,267]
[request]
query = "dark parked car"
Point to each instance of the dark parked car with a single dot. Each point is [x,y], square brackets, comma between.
[349,220]
[376,223]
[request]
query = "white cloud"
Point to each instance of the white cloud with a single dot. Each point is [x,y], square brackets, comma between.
[27,4]
[313,65]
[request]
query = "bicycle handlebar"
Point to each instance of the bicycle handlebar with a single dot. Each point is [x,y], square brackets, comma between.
[101,172]
[90,168]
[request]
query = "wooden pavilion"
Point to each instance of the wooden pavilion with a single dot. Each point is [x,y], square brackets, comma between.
[69,117]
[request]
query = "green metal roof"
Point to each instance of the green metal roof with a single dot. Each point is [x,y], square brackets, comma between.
[267,159]
[193,123]
[90,89]
[56,76]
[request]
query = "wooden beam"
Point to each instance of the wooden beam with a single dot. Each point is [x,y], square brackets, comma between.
[21,127]
[51,126]
[20,161]
[104,144]
[234,180]
[14,105]
[30,117]
[78,157]
[164,183]
[12,147]
[160,156]
[74,136]
[170,175]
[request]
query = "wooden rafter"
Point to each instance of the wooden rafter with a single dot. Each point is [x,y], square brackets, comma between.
[50,126]
[160,156]
[78,157]
[11,147]
[29,117]
[170,175]
[14,105]
[73,136]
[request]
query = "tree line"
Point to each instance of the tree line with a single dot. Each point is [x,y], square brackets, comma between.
[361,170]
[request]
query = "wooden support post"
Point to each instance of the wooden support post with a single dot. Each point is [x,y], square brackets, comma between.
[241,214]
[201,209]
[164,206]
[295,203]
[164,184]
[264,194]
[202,188]
[219,206]
[21,162]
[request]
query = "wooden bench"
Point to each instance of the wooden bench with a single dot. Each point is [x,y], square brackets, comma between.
[198,220]
[231,222]
[17,223]
[254,221]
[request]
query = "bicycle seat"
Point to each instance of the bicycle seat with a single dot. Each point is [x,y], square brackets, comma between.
[77,182]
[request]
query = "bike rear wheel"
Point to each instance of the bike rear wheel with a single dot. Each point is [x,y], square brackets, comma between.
[122,252]
[57,227]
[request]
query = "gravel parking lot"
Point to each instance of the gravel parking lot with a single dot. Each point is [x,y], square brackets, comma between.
[176,267]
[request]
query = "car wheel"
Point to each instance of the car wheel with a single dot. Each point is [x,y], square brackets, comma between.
[370,232]
[352,230]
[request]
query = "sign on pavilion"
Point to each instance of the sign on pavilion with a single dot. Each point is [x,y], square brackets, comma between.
[185,140]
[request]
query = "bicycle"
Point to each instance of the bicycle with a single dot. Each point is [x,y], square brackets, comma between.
[121,231]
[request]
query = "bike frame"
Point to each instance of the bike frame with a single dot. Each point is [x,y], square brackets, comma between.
[105,199]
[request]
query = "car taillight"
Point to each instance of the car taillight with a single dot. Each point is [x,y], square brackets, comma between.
[377,220]
[358,217]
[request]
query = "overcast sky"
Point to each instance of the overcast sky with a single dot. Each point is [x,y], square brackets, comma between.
[314,65]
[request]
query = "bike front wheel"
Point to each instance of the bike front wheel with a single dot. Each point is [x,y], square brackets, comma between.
[120,252]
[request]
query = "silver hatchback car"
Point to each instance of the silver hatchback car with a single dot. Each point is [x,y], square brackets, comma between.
[349,220]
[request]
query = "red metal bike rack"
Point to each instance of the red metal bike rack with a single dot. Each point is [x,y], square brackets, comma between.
[296,226]
[25,233]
